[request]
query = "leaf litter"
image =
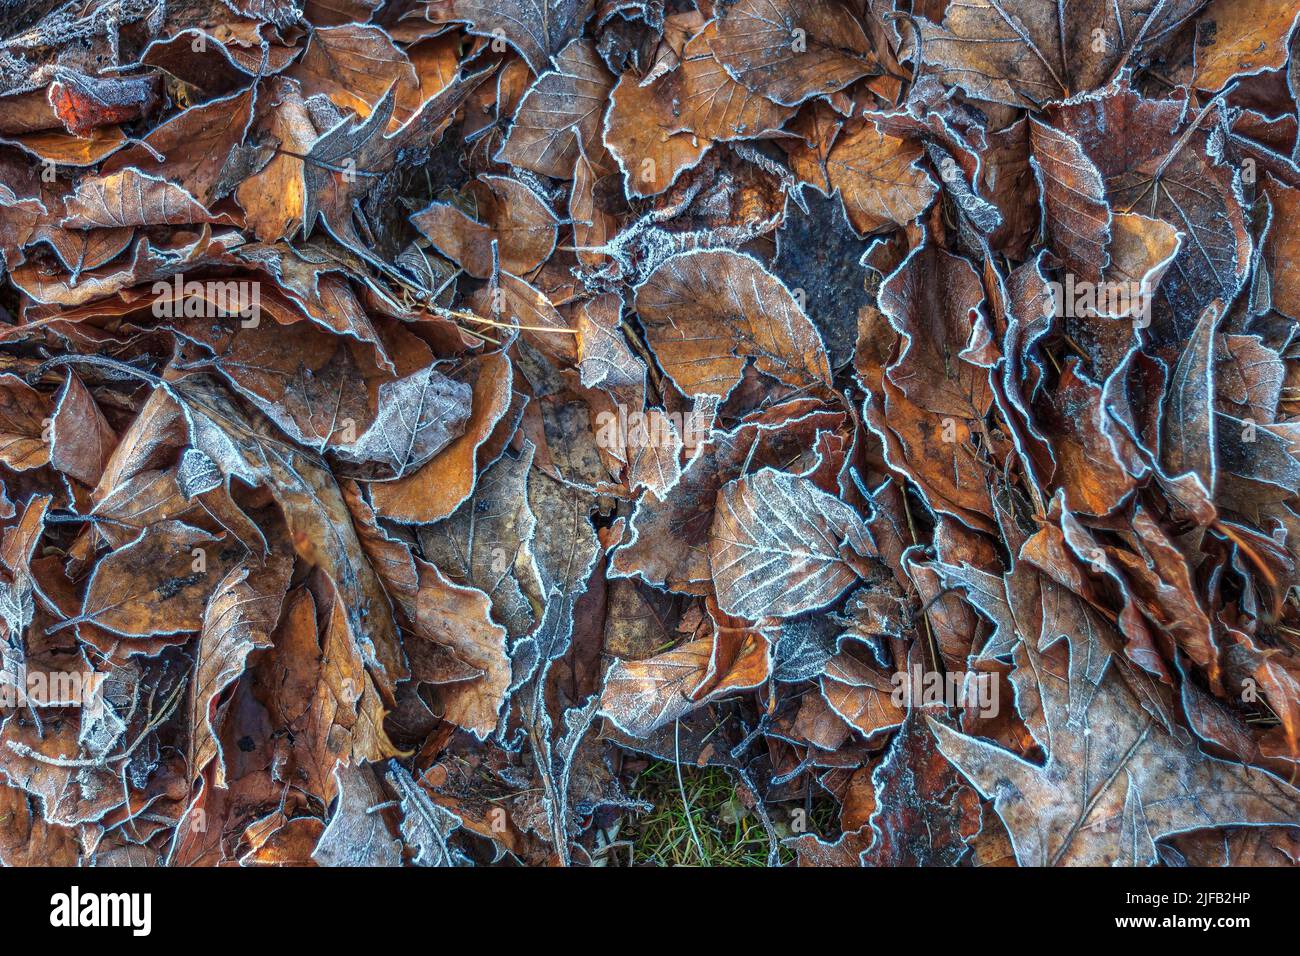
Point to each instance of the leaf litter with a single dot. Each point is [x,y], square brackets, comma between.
[443,433]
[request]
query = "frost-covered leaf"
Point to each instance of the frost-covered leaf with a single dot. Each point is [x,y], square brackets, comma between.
[441,422]
[789,51]
[878,178]
[642,696]
[1024,54]
[780,546]
[561,112]
[314,510]
[418,416]
[239,618]
[706,313]
[354,835]
[425,825]
[131,198]
[538,29]
[1105,796]
[1074,202]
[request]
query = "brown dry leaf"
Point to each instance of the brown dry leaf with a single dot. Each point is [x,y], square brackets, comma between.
[561,114]
[1241,38]
[514,302]
[290,844]
[1239,846]
[342,163]
[706,312]
[926,815]
[332,395]
[1282,247]
[69,798]
[314,686]
[1141,250]
[593,225]
[640,135]
[1084,441]
[1161,583]
[1189,422]
[654,453]
[715,106]
[604,357]
[878,178]
[934,301]
[355,65]
[26,839]
[457,617]
[790,51]
[24,442]
[1165,169]
[83,103]
[861,695]
[81,439]
[355,836]
[509,214]
[937,451]
[159,583]
[319,524]
[1248,377]
[67,149]
[272,198]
